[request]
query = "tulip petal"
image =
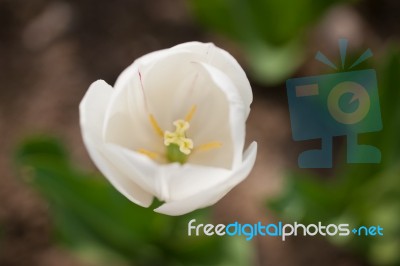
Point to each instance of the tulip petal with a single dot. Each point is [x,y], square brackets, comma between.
[221,59]
[170,181]
[210,196]
[235,119]
[140,169]
[92,111]
[196,176]
[183,181]
[177,83]
[127,121]
[156,90]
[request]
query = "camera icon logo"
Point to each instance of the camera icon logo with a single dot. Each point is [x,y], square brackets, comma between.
[358,92]
[340,104]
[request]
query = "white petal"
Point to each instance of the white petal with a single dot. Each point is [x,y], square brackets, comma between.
[196,52]
[170,181]
[169,87]
[142,170]
[235,118]
[154,84]
[142,63]
[227,120]
[169,84]
[127,120]
[210,196]
[226,115]
[210,121]
[92,111]
[183,181]
[224,61]
[172,86]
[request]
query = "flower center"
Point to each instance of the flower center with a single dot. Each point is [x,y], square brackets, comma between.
[178,145]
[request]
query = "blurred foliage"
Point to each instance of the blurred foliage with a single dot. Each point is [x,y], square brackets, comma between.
[360,194]
[102,226]
[271,32]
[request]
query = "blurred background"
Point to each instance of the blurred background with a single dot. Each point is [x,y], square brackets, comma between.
[56,209]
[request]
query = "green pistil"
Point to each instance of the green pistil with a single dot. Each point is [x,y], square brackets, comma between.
[174,155]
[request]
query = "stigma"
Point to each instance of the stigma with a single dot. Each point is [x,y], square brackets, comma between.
[179,146]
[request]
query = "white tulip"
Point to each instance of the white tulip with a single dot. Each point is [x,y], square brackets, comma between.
[173,127]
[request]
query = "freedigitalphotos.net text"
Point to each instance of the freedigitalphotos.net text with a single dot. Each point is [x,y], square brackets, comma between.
[280,230]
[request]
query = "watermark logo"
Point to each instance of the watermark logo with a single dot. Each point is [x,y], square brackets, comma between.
[340,104]
[281,230]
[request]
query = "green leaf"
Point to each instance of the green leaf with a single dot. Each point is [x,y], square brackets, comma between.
[360,194]
[271,33]
[102,226]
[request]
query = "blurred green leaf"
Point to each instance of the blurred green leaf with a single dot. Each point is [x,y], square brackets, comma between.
[389,80]
[361,194]
[102,225]
[270,32]
[272,64]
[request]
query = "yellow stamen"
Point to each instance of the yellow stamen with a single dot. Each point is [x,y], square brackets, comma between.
[189,115]
[178,145]
[155,125]
[170,137]
[209,146]
[181,127]
[185,145]
[178,137]
[150,154]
